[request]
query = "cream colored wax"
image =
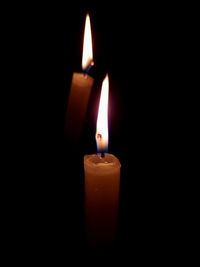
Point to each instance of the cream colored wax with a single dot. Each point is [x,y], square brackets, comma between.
[102,187]
[77,104]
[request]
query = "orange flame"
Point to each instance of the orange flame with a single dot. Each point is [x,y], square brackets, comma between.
[102,119]
[87,58]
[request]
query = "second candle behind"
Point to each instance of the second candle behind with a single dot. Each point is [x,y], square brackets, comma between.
[80,90]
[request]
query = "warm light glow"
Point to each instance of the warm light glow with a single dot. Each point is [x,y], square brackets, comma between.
[102,119]
[87,45]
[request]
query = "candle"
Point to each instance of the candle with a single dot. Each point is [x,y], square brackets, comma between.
[80,89]
[102,183]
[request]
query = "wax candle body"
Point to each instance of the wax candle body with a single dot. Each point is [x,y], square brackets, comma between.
[102,186]
[77,105]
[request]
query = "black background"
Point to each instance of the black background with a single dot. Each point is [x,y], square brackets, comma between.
[137,45]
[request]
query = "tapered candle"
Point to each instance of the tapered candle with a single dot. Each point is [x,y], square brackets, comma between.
[102,183]
[80,89]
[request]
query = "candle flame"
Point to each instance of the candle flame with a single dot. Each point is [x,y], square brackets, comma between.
[87,58]
[102,119]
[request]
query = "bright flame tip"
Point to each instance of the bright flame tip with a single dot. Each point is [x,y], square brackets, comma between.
[87,58]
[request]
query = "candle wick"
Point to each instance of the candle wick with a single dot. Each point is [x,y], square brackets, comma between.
[102,154]
[85,75]
[88,69]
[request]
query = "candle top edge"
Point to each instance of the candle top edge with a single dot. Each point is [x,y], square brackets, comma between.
[95,161]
